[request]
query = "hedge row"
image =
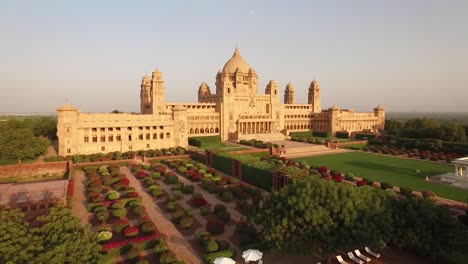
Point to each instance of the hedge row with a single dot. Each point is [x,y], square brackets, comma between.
[228,253]
[321,134]
[344,135]
[364,136]
[259,177]
[301,134]
[222,163]
[203,141]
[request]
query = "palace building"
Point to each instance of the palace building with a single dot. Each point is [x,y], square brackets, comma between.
[235,110]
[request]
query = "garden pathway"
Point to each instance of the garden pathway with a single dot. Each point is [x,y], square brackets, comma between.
[177,243]
[79,209]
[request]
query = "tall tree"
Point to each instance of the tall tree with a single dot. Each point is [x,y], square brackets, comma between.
[19,142]
[59,239]
[452,132]
[392,127]
[322,216]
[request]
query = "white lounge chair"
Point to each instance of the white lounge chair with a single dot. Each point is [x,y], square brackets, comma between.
[353,258]
[361,256]
[368,250]
[341,260]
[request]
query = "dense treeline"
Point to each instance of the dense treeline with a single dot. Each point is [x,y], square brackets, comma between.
[26,138]
[424,128]
[59,238]
[325,217]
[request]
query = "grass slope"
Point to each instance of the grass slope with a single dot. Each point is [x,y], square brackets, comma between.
[397,171]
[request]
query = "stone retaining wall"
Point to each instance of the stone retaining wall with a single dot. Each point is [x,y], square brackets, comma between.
[28,170]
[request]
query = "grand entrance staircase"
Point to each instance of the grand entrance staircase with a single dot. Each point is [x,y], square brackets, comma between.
[265,137]
[297,149]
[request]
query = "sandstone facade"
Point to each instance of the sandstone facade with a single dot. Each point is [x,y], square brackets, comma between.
[236,110]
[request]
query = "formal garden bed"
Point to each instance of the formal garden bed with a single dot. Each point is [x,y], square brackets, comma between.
[119,216]
[413,153]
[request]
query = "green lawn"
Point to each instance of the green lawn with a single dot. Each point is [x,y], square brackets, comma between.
[397,171]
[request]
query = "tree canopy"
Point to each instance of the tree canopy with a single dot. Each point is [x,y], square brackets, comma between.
[424,128]
[18,140]
[322,216]
[58,239]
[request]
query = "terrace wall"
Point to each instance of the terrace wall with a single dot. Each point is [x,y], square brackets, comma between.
[27,170]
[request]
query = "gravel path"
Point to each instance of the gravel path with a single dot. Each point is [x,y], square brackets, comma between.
[177,243]
[79,199]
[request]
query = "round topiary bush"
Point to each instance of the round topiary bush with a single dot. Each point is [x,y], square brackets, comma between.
[188,189]
[148,228]
[205,210]
[186,222]
[177,215]
[171,206]
[102,216]
[138,210]
[132,253]
[156,193]
[167,257]
[219,208]
[161,246]
[119,213]
[227,196]
[112,195]
[210,245]
[104,236]
[117,205]
[214,226]
[223,216]
[156,175]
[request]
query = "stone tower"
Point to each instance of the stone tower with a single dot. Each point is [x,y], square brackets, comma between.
[146,97]
[289,94]
[203,91]
[314,96]
[152,98]
[157,86]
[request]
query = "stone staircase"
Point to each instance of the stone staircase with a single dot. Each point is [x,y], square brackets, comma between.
[265,137]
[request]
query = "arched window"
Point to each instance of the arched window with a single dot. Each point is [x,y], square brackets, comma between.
[216,130]
[202,131]
[191,131]
[212,130]
[197,131]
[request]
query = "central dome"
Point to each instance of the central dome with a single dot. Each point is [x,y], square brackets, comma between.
[236,63]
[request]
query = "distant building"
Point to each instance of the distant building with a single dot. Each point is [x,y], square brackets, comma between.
[234,111]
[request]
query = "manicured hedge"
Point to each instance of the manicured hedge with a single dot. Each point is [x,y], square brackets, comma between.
[228,253]
[301,134]
[364,136]
[259,177]
[222,163]
[201,141]
[321,134]
[342,134]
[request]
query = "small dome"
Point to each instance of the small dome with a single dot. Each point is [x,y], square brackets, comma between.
[236,63]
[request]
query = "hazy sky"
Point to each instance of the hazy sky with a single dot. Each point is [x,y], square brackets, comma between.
[405,55]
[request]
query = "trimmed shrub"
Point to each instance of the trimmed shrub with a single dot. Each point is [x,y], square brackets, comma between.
[167,258]
[161,246]
[223,216]
[132,254]
[222,244]
[368,181]
[214,226]
[120,225]
[406,191]
[102,216]
[156,175]
[186,222]
[219,208]
[148,228]
[210,245]
[229,253]
[138,210]
[156,193]
[177,195]
[104,236]
[205,210]
[386,185]
[171,206]
[361,183]
[349,176]
[188,189]
[119,213]
[177,215]
[227,196]
[112,195]
[199,202]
